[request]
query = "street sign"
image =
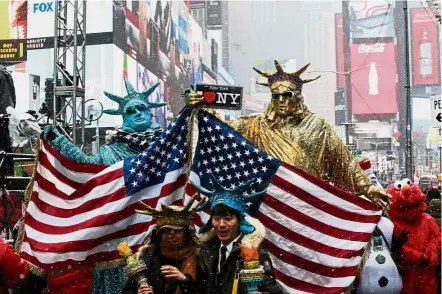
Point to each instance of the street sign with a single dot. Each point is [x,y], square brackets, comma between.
[436,109]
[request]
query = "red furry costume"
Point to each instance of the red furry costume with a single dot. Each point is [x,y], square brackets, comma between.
[13,270]
[420,253]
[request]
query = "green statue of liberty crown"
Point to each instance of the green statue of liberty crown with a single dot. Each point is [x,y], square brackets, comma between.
[131,96]
[233,198]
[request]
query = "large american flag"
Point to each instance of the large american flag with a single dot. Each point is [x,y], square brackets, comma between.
[79,213]
[315,232]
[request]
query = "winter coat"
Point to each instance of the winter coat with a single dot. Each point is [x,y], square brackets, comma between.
[13,270]
[434,210]
[209,282]
[154,260]
[7,90]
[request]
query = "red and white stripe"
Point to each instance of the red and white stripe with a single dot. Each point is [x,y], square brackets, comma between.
[316,233]
[79,213]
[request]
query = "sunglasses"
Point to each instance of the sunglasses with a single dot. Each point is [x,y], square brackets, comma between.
[133,109]
[284,95]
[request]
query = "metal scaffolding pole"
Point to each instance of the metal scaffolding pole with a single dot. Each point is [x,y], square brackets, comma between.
[408,118]
[69,82]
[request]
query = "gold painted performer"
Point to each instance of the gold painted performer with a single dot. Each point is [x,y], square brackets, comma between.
[288,130]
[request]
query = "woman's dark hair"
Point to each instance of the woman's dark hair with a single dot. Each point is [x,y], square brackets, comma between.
[223,210]
[433,194]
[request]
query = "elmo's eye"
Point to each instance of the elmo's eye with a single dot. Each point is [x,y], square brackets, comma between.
[406,181]
[397,185]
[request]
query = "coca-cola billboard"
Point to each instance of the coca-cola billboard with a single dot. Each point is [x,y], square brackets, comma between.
[371,48]
[425,47]
[373,78]
[339,39]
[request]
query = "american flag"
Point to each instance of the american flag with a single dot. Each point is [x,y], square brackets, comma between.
[79,213]
[316,233]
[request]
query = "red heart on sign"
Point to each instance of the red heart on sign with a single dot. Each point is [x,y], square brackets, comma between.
[209,96]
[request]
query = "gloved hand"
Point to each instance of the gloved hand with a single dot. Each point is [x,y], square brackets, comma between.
[192,98]
[50,133]
[400,240]
[378,196]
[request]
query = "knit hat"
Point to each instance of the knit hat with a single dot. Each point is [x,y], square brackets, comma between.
[233,198]
[365,164]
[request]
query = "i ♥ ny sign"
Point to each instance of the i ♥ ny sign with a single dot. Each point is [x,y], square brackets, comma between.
[221,97]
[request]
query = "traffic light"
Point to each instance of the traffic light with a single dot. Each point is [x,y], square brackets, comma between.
[357,152]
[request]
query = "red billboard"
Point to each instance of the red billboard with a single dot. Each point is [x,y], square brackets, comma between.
[339,39]
[373,78]
[424,36]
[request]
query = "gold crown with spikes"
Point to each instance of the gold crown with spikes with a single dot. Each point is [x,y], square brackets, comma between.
[173,215]
[280,75]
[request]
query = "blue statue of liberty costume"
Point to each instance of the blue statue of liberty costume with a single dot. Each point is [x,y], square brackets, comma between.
[136,134]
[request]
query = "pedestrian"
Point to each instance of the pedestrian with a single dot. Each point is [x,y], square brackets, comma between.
[433,199]
[228,229]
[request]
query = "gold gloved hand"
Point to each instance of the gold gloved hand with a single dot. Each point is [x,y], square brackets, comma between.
[377,196]
[192,98]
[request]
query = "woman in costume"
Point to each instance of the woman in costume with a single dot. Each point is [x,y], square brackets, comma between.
[169,253]
[136,134]
[289,131]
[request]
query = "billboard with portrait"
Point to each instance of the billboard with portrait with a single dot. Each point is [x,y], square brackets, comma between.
[154,33]
[13,30]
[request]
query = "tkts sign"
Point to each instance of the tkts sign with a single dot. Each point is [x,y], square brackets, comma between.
[222,97]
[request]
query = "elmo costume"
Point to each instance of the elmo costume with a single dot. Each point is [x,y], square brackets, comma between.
[13,270]
[420,237]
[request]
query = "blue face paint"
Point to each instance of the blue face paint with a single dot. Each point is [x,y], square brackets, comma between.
[136,116]
[134,107]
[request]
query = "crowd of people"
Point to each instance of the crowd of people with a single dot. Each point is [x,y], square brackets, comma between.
[405,248]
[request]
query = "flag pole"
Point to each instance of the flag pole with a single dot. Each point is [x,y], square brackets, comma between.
[190,145]
[190,139]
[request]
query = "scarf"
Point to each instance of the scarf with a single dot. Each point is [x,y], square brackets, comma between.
[136,141]
[188,257]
